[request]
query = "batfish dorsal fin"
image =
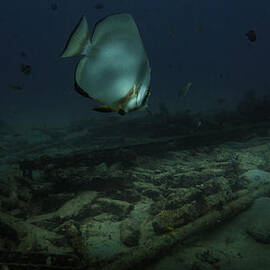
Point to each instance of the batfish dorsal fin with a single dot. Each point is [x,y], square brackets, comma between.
[119,22]
[79,40]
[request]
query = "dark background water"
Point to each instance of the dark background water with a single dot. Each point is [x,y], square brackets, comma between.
[196,41]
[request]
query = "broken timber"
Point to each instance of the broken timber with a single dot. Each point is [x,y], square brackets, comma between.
[152,249]
[93,157]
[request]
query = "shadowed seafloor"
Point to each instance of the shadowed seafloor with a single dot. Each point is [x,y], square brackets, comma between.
[166,191]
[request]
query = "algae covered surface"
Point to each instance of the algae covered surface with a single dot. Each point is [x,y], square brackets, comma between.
[85,201]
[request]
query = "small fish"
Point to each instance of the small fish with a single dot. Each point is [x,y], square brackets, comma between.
[2,148]
[163,213]
[83,227]
[251,35]
[199,29]
[54,6]
[15,86]
[99,6]
[25,69]
[23,54]
[172,31]
[15,112]
[183,91]
[170,228]
[221,100]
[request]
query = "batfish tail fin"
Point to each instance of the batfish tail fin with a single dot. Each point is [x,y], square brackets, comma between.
[79,40]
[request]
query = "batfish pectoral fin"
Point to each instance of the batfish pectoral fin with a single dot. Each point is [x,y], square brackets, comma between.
[121,112]
[103,108]
[80,90]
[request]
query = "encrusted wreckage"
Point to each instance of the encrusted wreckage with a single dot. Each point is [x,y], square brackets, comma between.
[122,207]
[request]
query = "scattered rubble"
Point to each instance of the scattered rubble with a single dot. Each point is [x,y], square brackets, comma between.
[125,205]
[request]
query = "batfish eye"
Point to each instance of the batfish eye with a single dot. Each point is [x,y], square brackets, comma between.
[148,91]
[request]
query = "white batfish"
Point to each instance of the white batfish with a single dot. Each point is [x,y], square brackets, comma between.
[114,69]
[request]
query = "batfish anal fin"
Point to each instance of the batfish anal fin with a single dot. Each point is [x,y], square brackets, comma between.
[103,108]
[121,112]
